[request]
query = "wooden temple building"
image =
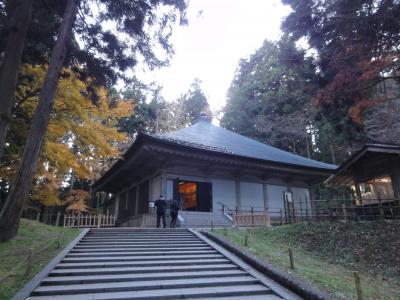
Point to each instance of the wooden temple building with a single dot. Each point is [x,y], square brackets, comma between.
[207,167]
[373,173]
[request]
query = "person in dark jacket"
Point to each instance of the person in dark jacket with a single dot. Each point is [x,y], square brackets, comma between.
[174,208]
[161,206]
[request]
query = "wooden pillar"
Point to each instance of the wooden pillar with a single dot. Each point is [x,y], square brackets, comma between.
[116,207]
[265,195]
[237,191]
[150,196]
[266,204]
[358,190]
[163,187]
[395,178]
[137,201]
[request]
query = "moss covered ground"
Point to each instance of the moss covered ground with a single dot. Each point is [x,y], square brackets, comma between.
[326,254]
[31,235]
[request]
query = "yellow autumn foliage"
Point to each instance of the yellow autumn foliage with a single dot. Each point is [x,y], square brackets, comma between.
[76,201]
[81,135]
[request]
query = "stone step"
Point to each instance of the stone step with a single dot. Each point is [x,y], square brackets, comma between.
[140,250]
[248,297]
[143,270]
[148,244]
[129,236]
[131,263]
[140,242]
[211,292]
[139,277]
[141,263]
[159,233]
[143,285]
[101,253]
[142,258]
[121,230]
[97,240]
[152,231]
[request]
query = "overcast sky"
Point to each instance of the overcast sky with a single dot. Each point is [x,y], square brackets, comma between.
[220,32]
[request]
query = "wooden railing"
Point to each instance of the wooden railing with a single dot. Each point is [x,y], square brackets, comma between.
[251,218]
[88,220]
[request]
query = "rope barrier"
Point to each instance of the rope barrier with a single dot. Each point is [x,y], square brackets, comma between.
[11,272]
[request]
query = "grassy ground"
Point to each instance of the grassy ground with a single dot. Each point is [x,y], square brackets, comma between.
[35,235]
[327,254]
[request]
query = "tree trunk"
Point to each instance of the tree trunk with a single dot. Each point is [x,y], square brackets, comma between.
[11,213]
[333,156]
[308,146]
[17,27]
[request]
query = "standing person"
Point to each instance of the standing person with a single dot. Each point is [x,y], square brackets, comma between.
[174,208]
[161,205]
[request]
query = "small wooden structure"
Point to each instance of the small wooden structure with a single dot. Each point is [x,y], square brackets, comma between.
[373,174]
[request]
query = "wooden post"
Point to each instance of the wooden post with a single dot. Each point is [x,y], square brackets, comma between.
[29,263]
[252,216]
[58,218]
[246,240]
[294,211]
[38,216]
[237,193]
[282,221]
[381,213]
[236,215]
[307,208]
[99,221]
[301,210]
[65,218]
[291,258]
[344,212]
[60,236]
[357,282]
[286,208]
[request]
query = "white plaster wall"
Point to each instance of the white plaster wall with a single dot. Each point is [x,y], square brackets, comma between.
[170,190]
[275,198]
[251,195]
[223,191]
[155,188]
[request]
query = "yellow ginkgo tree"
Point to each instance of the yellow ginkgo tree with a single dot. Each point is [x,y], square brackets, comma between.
[82,137]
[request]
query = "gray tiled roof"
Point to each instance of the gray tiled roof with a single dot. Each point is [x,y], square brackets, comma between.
[207,136]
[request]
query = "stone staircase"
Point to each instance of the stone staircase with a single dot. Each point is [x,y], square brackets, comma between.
[133,263]
[195,219]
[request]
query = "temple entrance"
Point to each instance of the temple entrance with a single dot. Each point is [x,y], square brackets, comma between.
[195,196]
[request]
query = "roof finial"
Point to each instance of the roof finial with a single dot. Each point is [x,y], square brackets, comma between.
[204,116]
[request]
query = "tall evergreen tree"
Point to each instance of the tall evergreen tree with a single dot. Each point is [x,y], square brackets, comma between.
[357,51]
[19,14]
[269,98]
[130,18]
[194,102]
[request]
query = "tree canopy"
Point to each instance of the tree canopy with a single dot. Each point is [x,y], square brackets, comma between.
[82,138]
[270,96]
[357,46]
[153,114]
[324,87]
